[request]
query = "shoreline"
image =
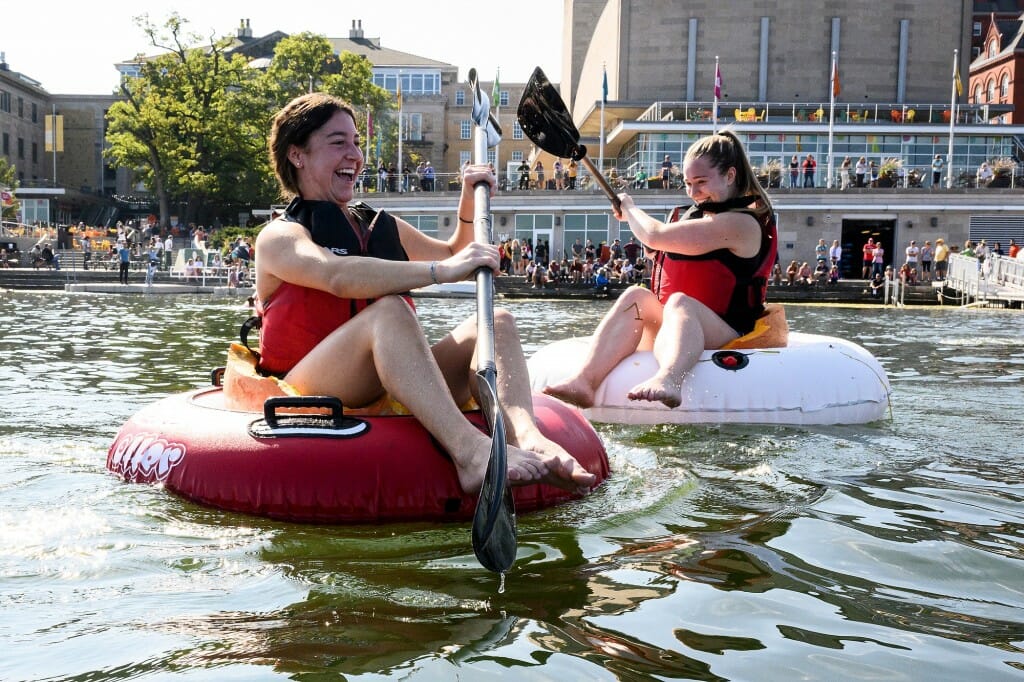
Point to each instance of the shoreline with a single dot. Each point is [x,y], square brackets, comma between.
[846,293]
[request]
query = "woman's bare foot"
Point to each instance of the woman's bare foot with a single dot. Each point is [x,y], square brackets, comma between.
[575,391]
[525,467]
[563,469]
[660,389]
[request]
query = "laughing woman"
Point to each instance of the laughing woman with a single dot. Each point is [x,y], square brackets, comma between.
[709,281]
[330,279]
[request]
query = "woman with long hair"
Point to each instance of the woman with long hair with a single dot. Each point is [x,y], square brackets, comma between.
[709,281]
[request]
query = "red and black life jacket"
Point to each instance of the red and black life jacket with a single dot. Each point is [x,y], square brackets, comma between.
[734,288]
[295,318]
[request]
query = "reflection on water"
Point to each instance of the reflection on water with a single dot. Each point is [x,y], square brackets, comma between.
[889,550]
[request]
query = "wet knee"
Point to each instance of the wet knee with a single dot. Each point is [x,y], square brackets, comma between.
[632,295]
[394,309]
[680,301]
[505,322]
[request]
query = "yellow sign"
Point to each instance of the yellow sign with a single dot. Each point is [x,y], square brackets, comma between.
[54,135]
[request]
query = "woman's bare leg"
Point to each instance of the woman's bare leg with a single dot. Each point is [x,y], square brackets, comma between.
[631,323]
[688,328]
[383,348]
[456,352]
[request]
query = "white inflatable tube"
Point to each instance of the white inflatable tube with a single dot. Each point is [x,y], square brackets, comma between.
[814,380]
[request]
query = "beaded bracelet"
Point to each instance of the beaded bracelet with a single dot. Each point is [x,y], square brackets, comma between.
[433,272]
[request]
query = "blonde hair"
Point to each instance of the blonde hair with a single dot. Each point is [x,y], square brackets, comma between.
[724,151]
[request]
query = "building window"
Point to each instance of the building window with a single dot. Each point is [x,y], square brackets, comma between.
[7,144]
[427,224]
[21,147]
[412,127]
[584,226]
[993,48]
[517,131]
[503,98]
[1004,86]
[413,83]
[517,155]
[464,158]
[977,93]
[35,152]
[977,28]
[991,94]
[35,113]
[460,98]
[466,130]
[5,101]
[21,107]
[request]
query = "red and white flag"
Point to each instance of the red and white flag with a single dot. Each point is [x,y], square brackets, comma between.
[718,82]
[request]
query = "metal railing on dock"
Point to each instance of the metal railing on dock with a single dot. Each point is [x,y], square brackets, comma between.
[996,280]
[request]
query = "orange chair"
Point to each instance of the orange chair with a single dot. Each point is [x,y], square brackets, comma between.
[896,115]
[762,115]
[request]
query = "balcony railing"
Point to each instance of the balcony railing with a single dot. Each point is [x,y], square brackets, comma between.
[818,112]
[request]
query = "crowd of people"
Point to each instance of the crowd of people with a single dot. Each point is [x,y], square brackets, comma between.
[580,264]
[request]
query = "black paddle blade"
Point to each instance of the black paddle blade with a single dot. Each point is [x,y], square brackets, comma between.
[494,521]
[545,119]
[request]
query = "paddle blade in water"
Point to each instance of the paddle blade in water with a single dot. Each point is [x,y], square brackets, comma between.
[494,521]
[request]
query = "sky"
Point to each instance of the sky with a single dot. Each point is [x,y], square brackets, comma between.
[75,52]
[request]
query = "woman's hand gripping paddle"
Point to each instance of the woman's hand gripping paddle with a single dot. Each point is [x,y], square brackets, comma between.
[545,119]
[494,522]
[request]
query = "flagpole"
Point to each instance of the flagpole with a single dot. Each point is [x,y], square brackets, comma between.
[714,109]
[401,186]
[369,136]
[604,97]
[54,144]
[496,101]
[831,116]
[952,119]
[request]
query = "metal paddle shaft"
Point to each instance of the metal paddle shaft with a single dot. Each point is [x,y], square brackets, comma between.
[494,521]
[545,119]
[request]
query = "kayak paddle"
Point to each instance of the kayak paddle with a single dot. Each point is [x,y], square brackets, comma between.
[494,521]
[545,119]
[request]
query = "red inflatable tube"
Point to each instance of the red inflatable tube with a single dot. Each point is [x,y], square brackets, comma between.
[347,470]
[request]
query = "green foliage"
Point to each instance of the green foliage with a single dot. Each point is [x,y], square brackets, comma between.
[194,126]
[8,181]
[223,239]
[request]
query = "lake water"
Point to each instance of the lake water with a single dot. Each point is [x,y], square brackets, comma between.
[889,551]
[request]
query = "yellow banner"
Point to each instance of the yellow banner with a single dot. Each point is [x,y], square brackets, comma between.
[54,133]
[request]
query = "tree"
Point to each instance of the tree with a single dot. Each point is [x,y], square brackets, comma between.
[173,126]
[303,63]
[8,184]
[194,126]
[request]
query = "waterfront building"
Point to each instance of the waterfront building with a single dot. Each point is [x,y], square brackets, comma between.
[894,105]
